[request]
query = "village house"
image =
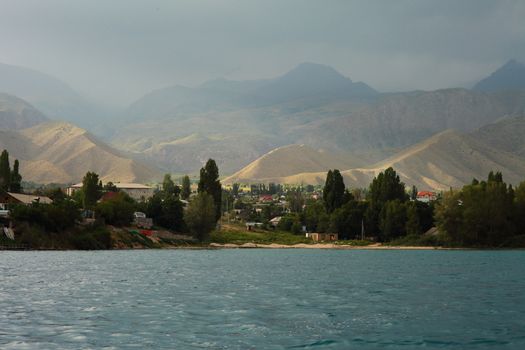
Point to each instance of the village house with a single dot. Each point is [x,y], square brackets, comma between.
[275,221]
[323,237]
[136,191]
[7,198]
[426,196]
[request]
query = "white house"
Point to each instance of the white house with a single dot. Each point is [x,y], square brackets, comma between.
[136,191]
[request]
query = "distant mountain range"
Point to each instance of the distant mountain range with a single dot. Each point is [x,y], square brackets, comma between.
[51,96]
[338,123]
[313,105]
[447,159]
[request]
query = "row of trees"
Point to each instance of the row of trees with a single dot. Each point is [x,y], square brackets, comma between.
[10,180]
[484,213]
[385,213]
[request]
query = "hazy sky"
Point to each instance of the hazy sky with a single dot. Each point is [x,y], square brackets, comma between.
[118,50]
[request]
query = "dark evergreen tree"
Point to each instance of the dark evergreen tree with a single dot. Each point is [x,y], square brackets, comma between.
[393,220]
[200,216]
[384,188]
[235,189]
[413,194]
[15,184]
[91,190]
[334,191]
[209,183]
[413,224]
[5,171]
[347,220]
[185,187]
[168,186]
[110,187]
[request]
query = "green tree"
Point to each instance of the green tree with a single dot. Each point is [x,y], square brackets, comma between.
[110,187]
[413,194]
[316,218]
[449,216]
[235,189]
[393,219]
[347,220]
[334,190]
[16,179]
[186,187]
[481,214]
[91,190]
[200,216]
[295,200]
[385,187]
[168,186]
[519,208]
[413,224]
[209,183]
[117,210]
[5,171]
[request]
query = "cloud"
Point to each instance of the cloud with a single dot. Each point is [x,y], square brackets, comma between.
[118,50]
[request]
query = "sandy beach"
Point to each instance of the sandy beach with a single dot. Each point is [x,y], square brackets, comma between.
[376,246]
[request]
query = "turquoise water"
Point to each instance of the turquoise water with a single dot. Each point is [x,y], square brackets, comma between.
[262,299]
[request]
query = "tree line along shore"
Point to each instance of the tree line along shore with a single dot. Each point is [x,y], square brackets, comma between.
[483,214]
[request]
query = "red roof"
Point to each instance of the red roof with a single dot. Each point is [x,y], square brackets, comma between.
[266,197]
[426,194]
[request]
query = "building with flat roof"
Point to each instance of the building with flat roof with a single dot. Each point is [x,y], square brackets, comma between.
[138,192]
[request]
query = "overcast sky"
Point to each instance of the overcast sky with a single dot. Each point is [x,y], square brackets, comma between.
[118,50]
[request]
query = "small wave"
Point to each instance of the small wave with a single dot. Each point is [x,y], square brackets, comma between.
[322,342]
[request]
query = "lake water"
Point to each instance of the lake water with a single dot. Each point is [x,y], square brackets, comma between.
[262,299]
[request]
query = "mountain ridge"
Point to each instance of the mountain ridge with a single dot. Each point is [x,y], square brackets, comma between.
[60,152]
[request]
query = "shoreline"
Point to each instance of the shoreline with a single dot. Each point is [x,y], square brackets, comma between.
[325,246]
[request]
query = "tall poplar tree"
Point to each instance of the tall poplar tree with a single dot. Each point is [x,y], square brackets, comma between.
[91,189]
[334,191]
[16,179]
[209,183]
[5,171]
[186,187]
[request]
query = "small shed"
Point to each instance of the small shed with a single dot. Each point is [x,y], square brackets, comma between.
[20,198]
[323,237]
[251,225]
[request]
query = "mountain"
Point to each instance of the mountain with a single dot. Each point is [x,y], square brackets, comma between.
[447,159]
[398,120]
[314,105]
[186,154]
[60,152]
[307,80]
[506,134]
[16,113]
[53,97]
[290,160]
[511,76]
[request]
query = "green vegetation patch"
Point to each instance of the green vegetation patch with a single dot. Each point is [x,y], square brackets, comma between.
[258,237]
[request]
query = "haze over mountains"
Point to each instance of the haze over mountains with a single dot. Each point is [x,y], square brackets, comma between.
[358,129]
[60,152]
[447,159]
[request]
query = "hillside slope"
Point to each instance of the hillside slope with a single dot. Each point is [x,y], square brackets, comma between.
[510,76]
[448,159]
[290,160]
[60,152]
[507,134]
[16,113]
